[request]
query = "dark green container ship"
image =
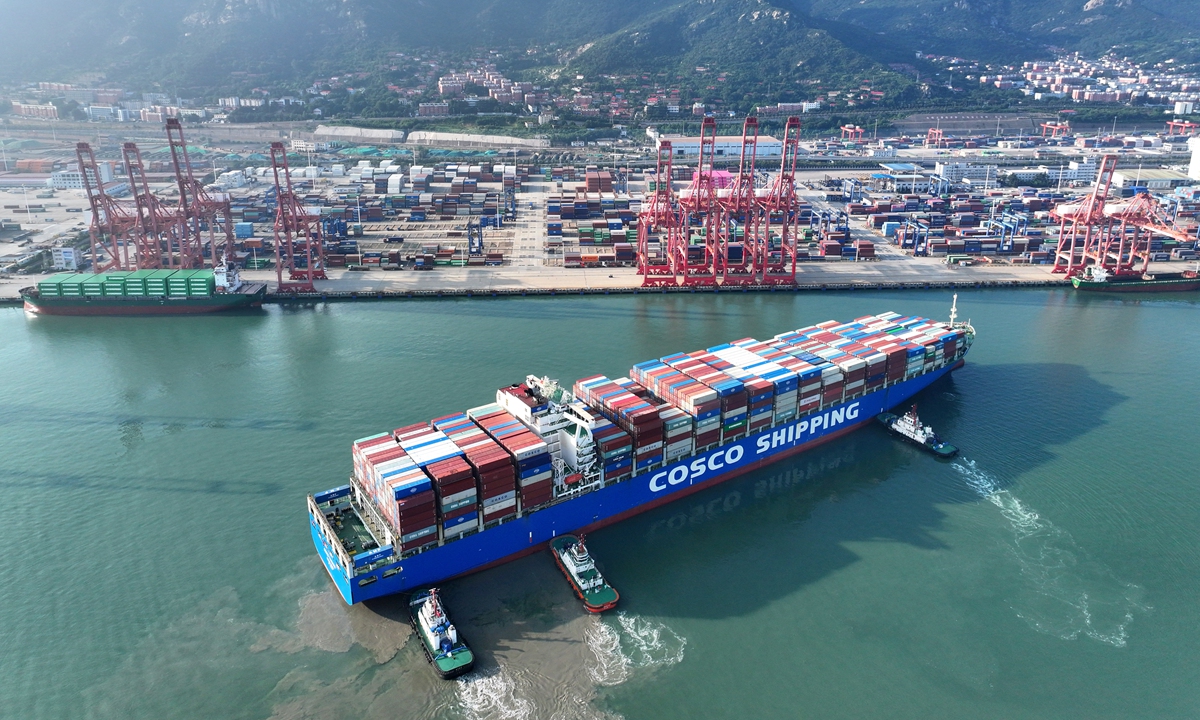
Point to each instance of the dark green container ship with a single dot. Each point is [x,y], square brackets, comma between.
[143,292]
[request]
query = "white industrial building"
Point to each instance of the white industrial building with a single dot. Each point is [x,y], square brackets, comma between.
[1153,179]
[1074,171]
[723,146]
[66,180]
[959,171]
[1194,167]
[64,258]
[357,136]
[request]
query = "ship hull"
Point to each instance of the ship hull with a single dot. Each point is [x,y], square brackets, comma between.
[590,511]
[1138,286]
[145,305]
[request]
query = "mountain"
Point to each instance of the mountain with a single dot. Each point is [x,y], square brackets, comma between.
[1008,30]
[201,43]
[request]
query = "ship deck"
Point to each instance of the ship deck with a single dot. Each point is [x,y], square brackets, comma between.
[353,532]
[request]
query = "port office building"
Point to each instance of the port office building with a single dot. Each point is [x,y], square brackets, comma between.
[725,146]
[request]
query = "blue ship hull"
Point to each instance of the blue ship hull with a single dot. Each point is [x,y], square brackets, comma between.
[589,511]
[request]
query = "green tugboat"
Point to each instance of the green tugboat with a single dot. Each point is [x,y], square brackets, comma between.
[910,427]
[571,556]
[444,648]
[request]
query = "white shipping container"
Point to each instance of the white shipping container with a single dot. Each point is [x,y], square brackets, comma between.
[501,498]
[500,508]
[458,530]
[458,497]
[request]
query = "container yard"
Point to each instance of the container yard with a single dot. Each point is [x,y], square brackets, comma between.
[440,498]
[749,222]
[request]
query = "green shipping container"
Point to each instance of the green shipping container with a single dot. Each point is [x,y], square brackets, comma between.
[135,282]
[156,282]
[93,286]
[202,283]
[50,287]
[114,285]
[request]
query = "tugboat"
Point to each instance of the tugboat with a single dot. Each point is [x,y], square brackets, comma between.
[444,648]
[911,429]
[571,556]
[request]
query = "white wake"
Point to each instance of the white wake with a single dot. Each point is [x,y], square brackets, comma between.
[491,695]
[1067,593]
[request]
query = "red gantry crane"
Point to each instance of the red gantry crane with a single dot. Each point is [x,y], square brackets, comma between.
[158,226]
[198,208]
[658,226]
[297,232]
[1081,227]
[782,211]
[1115,238]
[699,264]
[1054,128]
[114,227]
[693,240]
[1182,127]
[742,260]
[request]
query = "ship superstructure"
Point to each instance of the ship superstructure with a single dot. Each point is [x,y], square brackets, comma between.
[462,492]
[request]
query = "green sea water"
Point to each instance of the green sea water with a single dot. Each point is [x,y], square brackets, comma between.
[157,561]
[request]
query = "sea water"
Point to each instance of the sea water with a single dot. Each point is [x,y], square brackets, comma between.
[158,564]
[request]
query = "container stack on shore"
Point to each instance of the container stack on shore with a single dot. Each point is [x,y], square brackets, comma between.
[459,474]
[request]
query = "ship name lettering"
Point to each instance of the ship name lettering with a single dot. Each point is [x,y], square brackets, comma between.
[698,467]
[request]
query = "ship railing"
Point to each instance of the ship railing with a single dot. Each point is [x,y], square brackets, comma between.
[331,537]
[379,527]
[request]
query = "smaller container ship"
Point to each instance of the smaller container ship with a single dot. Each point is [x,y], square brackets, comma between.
[143,292]
[910,427]
[1098,278]
[573,558]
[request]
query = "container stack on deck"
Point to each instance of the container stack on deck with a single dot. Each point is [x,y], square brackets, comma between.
[138,283]
[399,488]
[435,482]
[535,483]
[495,476]
[453,481]
[633,414]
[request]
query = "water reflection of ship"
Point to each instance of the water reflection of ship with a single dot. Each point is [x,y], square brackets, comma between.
[835,470]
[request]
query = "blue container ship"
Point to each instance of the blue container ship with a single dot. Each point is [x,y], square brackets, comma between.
[436,500]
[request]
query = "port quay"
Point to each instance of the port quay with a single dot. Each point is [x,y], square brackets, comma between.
[805,218]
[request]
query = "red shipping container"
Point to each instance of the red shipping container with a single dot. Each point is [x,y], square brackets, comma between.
[456,487]
[407,429]
[421,542]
